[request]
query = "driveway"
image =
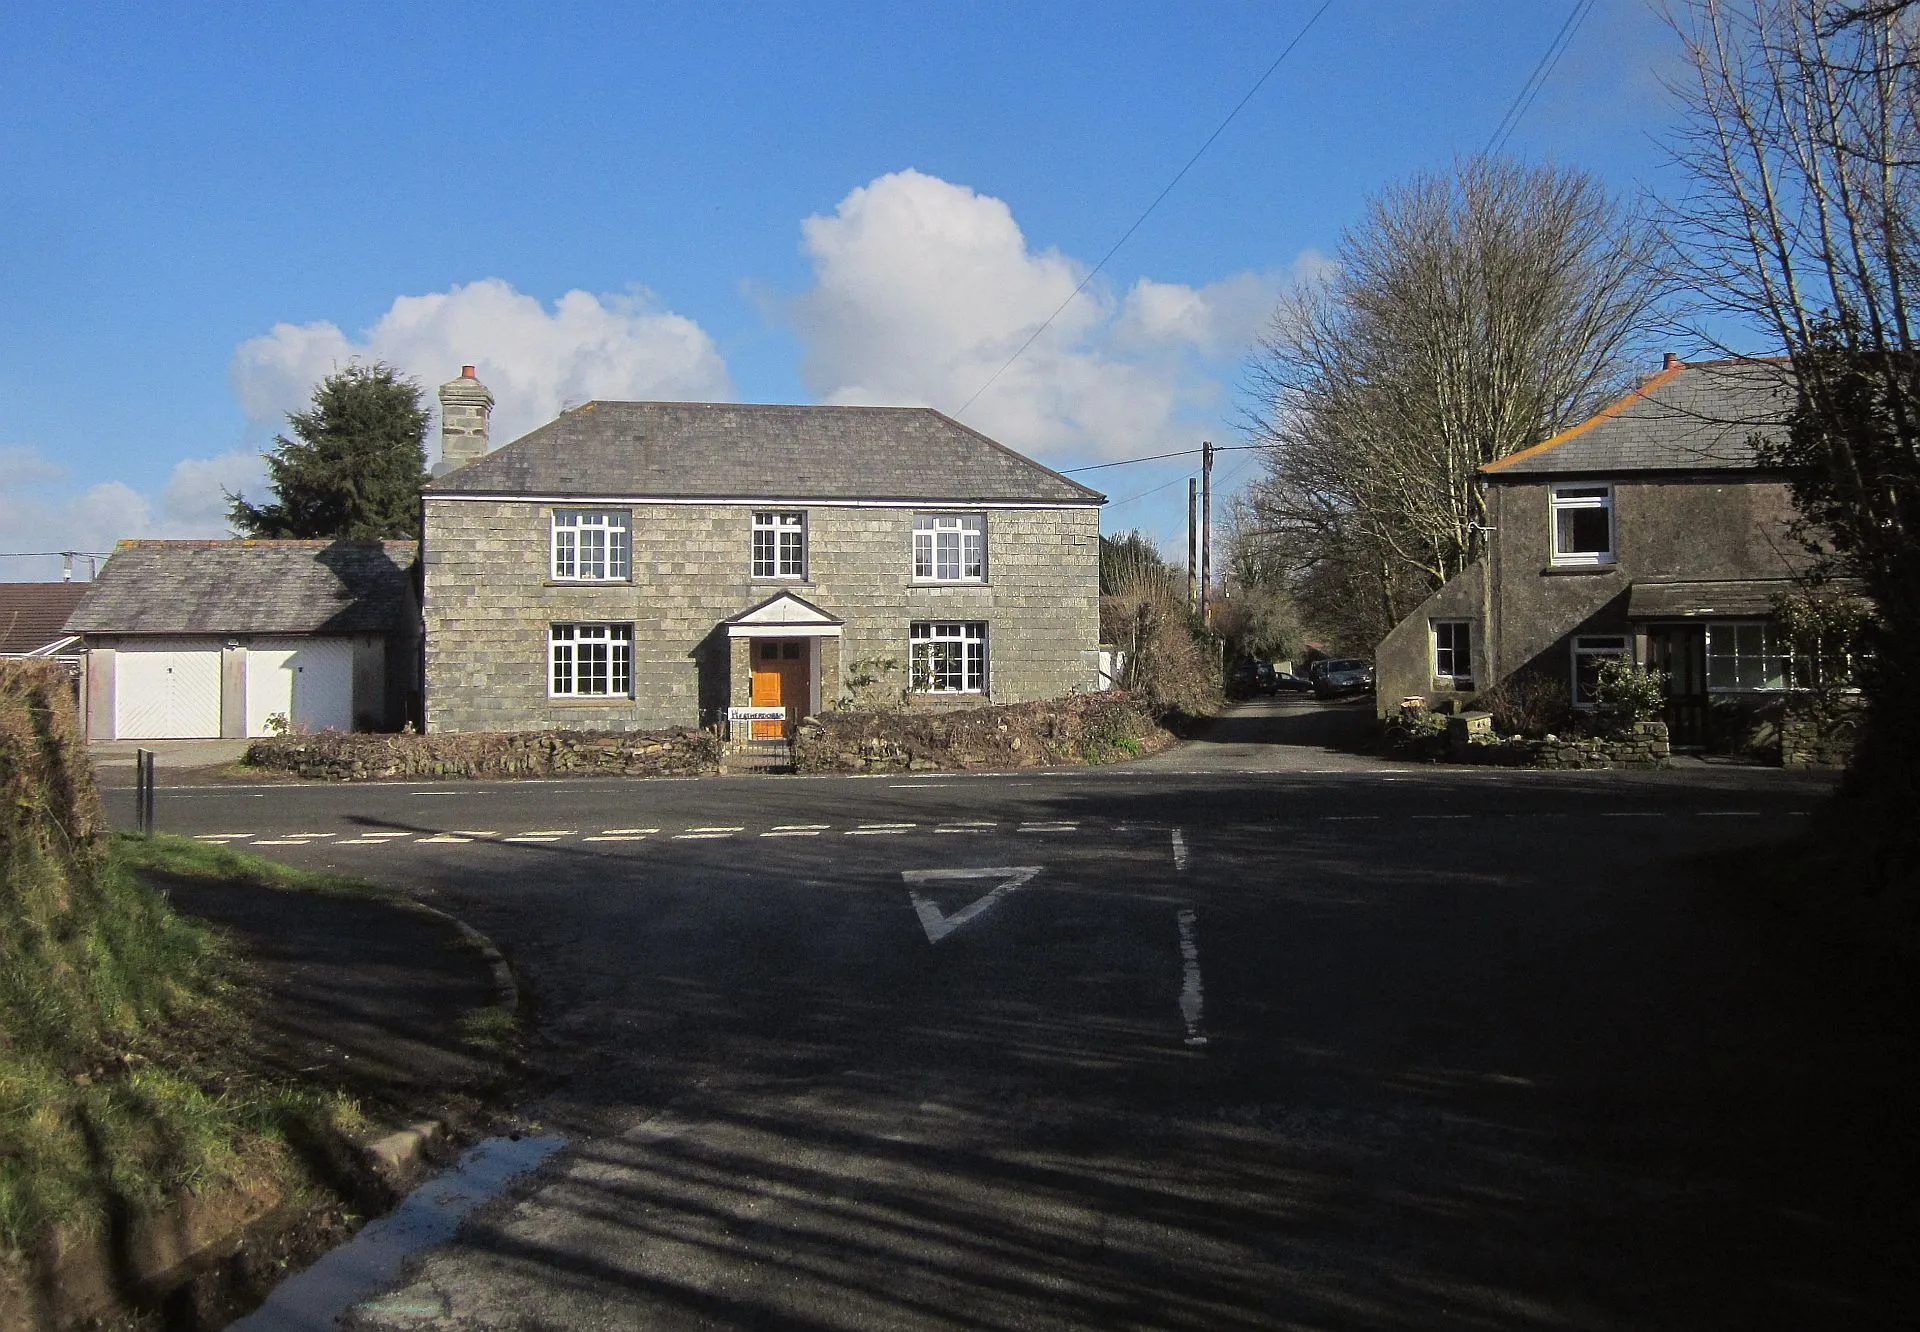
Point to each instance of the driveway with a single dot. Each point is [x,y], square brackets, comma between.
[1284,733]
[1411,1048]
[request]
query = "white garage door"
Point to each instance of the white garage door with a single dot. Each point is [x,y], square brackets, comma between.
[167,691]
[307,681]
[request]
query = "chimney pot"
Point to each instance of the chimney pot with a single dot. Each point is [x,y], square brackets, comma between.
[1671,361]
[466,371]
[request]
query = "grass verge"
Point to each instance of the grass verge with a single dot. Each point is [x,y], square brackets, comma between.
[123,1078]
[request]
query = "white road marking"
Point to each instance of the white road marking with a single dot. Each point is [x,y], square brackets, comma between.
[937,925]
[386,834]
[535,837]
[627,832]
[444,838]
[222,837]
[365,841]
[282,841]
[794,832]
[1190,995]
[917,786]
[881,829]
[548,832]
[1048,827]
[1632,814]
[1729,813]
[447,793]
[705,834]
[1443,816]
[472,832]
[307,834]
[1350,818]
[1179,850]
[616,837]
[966,827]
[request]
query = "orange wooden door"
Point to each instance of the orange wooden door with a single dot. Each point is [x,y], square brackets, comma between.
[780,680]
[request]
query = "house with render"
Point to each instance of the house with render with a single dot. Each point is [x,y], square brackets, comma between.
[644,565]
[1649,531]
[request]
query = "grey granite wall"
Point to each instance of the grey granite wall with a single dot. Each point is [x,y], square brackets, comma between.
[489,602]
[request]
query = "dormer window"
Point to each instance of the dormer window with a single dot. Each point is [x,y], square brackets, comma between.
[1583,525]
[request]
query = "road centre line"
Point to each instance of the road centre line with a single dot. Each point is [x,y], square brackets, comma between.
[627,832]
[1633,814]
[1048,827]
[918,786]
[1729,813]
[794,832]
[1443,816]
[882,829]
[1190,992]
[222,837]
[281,841]
[445,838]
[1179,850]
[616,837]
[535,837]
[1349,818]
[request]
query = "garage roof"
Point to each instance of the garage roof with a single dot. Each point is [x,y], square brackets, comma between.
[31,614]
[251,587]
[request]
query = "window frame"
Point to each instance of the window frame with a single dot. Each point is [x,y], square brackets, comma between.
[1461,652]
[1572,499]
[616,553]
[778,524]
[1775,646]
[1587,645]
[566,639]
[973,661]
[935,527]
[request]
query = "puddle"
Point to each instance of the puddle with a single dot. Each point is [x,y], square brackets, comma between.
[370,1262]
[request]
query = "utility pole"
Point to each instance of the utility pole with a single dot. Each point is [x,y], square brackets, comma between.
[1206,524]
[1193,548]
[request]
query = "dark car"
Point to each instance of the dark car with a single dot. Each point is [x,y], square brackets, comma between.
[1286,682]
[1344,675]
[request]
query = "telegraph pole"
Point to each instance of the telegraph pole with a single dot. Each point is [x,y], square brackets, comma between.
[1206,524]
[1193,551]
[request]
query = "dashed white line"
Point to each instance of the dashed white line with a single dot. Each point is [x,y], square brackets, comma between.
[882,829]
[1633,814]
[282,841]
[1179,850]
[917,786]
[1350,818]
[706,834]
[1190,993]
[364,841]
[1048,827]
[1442,816]
[475,832]
[967,826]
[1729,813]
[616,837]
[627,832]
[535,837]
[223,837]
[445,838]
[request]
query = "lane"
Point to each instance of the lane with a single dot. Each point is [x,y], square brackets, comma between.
[1510,1067]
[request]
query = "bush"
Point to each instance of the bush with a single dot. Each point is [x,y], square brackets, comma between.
[1529,703]
[1629,693]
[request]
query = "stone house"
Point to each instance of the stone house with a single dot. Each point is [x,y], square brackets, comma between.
[207,639]
[644,565]
[1648,531]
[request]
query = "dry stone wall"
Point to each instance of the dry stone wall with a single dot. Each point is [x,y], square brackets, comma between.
[1084,728]
[334,756]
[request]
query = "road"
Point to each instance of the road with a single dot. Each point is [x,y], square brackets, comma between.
[1216,1041]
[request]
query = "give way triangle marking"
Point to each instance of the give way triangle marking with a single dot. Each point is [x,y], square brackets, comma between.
[939,925]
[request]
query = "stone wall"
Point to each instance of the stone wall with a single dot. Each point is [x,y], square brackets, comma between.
[336,757]
[489,603]
[1819,731]
[1084,728]
[1471,739]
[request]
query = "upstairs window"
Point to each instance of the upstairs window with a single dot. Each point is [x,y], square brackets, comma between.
[592,546]
[1583,525]
[949,658]
[1452,652]
[780,545]
[949,548]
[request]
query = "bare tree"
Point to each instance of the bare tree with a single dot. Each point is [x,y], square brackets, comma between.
[1803,147]
[1472,314]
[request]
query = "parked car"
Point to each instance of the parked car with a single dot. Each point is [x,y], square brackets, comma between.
[1251,677]
[1344,675]
[1286,682]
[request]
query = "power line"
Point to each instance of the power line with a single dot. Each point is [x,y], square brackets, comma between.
[1523,100]
[1128,235]
[43,554]
[1157,457]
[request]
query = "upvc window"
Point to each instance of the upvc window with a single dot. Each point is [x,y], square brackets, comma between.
[949,547]
[592,545]
[1453,651]
[949,658]
[1588,653]
[1583,525]
[590,660]
[780,545]
[1747,657]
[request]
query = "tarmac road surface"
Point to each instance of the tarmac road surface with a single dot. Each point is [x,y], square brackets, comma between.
[1382,1047]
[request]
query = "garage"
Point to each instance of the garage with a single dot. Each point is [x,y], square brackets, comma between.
[167,690]
[308,682]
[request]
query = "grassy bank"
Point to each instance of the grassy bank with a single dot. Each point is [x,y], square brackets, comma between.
[120,1087]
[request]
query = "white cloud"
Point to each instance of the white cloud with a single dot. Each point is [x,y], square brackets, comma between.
[923,289]
[537,361]
[194,499]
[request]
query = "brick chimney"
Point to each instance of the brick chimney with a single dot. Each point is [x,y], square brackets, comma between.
[465,405]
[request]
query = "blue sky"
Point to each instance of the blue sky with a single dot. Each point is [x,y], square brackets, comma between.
[206,207]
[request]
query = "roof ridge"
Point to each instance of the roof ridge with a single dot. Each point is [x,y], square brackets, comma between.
[1660,380]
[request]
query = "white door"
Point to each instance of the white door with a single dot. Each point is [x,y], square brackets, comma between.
[308,681]
[166,691]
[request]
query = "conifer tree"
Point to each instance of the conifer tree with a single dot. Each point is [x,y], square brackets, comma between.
[354,467]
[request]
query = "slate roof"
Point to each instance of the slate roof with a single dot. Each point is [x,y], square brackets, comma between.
[250,587]
[695,450]
[1689,418]
[1719,597]
[32,614]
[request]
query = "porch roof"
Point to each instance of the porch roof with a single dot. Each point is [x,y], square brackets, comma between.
[1744,598]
